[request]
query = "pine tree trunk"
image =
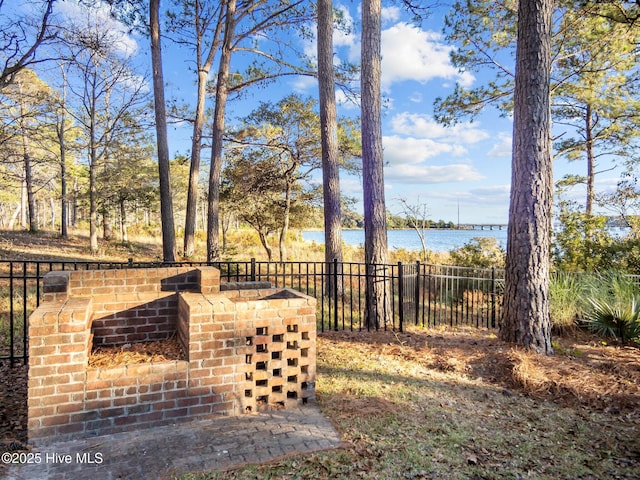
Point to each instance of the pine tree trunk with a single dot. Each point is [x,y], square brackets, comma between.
[23,204]
[75,208]
[52,209]
[14,217]
[28,172]
[526,319]
[264,240]
[226,223]
[203,65]
[123,222]
[93,166]
[93,208]
[590,162]
[64,220]
[330,153]
[166,208]
[378,311]
[107,221]
[31,204]
[285,223]
[194,168]
[213,206]
[62,149]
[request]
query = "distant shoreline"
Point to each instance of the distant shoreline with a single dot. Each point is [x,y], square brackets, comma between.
[436,239]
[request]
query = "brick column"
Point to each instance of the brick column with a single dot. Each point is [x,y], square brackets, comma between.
[59,339]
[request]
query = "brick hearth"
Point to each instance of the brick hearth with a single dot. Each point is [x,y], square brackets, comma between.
[248,348]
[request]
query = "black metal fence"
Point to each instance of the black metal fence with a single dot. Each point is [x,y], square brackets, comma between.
[416,294]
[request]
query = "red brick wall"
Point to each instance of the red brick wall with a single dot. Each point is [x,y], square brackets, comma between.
[247,350]
[131,318]
[255,347]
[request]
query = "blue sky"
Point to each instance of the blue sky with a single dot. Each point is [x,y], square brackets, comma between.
[463,169]
[465,166]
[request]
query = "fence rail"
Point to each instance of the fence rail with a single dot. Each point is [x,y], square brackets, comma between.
[418,294]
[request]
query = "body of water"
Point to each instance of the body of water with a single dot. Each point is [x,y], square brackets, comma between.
[437,240]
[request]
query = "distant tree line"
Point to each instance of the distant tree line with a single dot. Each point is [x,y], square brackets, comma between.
[353,220]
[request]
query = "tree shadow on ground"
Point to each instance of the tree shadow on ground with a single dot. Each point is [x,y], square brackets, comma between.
[583,372]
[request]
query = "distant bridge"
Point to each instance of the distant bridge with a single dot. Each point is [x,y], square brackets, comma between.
[612,222]
[482,226]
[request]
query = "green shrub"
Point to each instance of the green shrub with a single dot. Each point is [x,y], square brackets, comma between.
[586,243]
[624,254]
[480,252]
[582,243]
[566,300]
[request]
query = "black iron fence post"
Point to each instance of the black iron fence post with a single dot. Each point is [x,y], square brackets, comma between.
[253,270]
[368,316]
[323,285]
[493,297]
[11,323]
[25,315]
[416,294]
[400,295]
[334,274]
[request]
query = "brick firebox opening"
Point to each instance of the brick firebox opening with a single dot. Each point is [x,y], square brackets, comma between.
[248,347]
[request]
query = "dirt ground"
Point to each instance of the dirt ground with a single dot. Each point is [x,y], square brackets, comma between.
[585,372]
[21,245]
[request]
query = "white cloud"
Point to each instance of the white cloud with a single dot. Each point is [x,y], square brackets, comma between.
[430,174]
[502,147]
[410,150]
[468,206]
[416,97]
[98,17]
[304,84]
[351,186]
[425,126]
[344,38]
[604,186]
[417,141]
[409,53]
[390,14]
[608,184]
[137,81]
[344,35]
[495,194]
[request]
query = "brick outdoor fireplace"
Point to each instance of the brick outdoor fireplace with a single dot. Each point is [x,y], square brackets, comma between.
[248,347]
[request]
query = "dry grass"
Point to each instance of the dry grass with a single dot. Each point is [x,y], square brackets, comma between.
[454,404]
[588,373]
[145,352]
[242,245]
[47,245]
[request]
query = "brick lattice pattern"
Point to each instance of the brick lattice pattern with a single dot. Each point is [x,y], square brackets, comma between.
[248,347]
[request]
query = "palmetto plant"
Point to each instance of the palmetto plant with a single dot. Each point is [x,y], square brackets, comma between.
[615,308]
